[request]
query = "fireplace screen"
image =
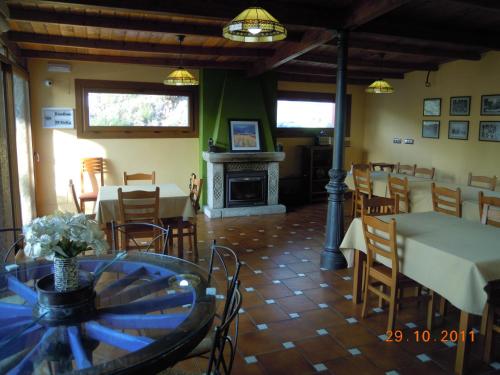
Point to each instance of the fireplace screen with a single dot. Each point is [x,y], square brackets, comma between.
[246,188]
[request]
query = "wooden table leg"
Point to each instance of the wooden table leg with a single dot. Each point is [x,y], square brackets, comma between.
[180,237]
[463,347]
[431,307]
[359,258]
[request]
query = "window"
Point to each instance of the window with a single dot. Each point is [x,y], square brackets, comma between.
[306,113]
[114,109]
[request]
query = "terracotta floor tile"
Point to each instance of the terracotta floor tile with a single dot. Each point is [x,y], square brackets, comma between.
[323,295]
[284,259]
[351,365]
[280,273]
[274,291]
[292,330]
[285,362]
[251,299]
[353,335]
[303,267]
[259,342]
[267,314]
[300,283]
[320,349]
[296,304]
[322,318]
[255,280]
[388,356]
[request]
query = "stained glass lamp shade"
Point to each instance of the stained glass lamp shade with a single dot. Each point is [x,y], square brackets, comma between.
[380,86]
[180,77]
[254,25]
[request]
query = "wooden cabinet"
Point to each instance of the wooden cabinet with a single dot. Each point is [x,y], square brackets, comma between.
[316,162]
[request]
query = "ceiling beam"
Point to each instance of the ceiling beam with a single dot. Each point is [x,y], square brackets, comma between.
[332,60]
[365,11]
[320,79]
[291,14]
[408,49]
[157,61]
[287,51]
[54,40]
[482,4]
[292,69]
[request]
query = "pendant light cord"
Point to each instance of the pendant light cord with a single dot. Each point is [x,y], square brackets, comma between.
[181,39]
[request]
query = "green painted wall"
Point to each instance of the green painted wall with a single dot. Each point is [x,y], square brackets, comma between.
[228,95]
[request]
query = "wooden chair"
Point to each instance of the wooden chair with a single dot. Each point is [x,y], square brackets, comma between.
[425,172]
[91,167]
[377,206]
[139,177]
[493,316]
[75,200]
[361,166]
[189,227]
[406,169]
[385,282]
[446,201]
[399,187]
[489,210]
[138,207]
[362,186]
[483,182]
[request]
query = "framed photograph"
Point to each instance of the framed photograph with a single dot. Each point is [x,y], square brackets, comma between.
[489,131]
[432,107]
[430,129]
[245,135]
[490,105]
[460,106]
[458,130]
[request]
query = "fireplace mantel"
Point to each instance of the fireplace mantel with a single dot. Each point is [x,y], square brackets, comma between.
[221,162]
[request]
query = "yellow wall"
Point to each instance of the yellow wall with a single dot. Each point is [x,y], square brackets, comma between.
[292,164]
[60,150]
[400,115]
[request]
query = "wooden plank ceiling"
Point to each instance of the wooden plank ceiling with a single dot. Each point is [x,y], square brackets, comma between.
[388,38]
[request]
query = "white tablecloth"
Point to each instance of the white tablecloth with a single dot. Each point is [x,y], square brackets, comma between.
[173,202]
[452,256]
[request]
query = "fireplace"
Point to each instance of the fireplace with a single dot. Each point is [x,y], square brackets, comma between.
[246,188]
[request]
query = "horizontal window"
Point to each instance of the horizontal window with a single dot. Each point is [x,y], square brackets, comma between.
[115,109]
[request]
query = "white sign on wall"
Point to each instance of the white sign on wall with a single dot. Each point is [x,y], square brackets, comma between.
[58,118]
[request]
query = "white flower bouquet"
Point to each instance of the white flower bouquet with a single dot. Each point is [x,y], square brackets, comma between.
[62,235]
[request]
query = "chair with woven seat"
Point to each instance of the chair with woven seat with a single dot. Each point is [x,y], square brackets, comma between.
[399,187]
[492,289]
[362,186]
[489,210]
[91,167]
[380,240]
[138,207]
[482,182]
[148,177]
[425,172]
[406,169]
[446,201]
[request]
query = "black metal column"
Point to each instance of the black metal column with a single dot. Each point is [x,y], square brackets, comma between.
[331,257]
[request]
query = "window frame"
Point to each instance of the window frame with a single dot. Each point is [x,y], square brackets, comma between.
[84,130]
[309,96]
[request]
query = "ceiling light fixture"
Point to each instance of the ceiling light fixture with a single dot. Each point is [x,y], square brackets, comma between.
[254,24]
[180,76]
[380,86]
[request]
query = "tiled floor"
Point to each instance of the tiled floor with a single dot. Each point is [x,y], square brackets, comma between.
[299,319]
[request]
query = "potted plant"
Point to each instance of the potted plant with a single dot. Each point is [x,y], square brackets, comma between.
[61,237]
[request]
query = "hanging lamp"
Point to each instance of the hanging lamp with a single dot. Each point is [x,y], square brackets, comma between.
[180,76]
[254,24]
[380,86]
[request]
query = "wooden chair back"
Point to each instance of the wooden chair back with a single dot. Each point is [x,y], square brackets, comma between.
[380,240]
[492,328]
[74,196]
[425,172]
[139,206]
[362,186]
[377,206]
[92,167]
[398,187]
[139,177]
[195,185]
[483,182]
[406,169]
[489,210]
[446,200]
[361,166]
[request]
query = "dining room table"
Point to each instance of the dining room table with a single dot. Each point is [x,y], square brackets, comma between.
[174,204]
[451,256]
[145,313]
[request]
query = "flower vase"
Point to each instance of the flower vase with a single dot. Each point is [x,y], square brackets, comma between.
[65,274]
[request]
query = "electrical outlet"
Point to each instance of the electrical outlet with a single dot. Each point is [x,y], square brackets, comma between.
[409,141]
[396,140]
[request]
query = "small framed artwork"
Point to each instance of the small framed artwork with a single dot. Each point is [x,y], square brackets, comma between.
[460,106]
[245,135]
[489,131]
[432,107]
[490,105]
[458,130]
[430,129]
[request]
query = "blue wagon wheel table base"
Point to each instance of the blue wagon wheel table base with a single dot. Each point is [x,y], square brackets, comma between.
[144,312]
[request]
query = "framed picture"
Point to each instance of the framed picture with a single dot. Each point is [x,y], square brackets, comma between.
[460,106]
[489,131]
[490,105]
[430,129]
[432,107]
[458,130]
[245,135]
